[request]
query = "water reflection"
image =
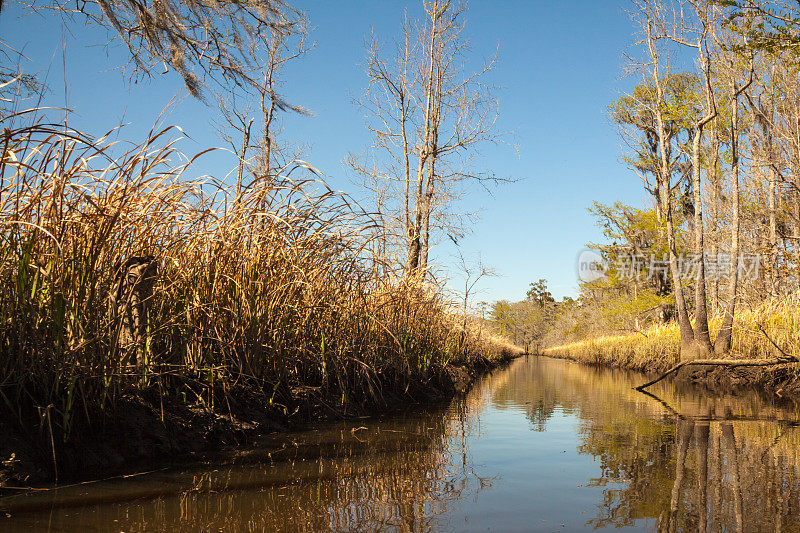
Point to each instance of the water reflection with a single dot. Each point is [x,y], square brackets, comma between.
[397,474]
[544,445]
[692,460]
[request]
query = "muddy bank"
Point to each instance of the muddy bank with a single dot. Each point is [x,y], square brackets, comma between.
[781,380]
[141,433]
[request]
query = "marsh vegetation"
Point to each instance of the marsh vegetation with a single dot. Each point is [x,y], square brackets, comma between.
[708,266]
[132,281]
[595,453]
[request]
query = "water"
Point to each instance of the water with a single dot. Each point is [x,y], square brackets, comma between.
[544,445]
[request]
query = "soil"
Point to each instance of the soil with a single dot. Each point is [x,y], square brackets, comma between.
[140,433]
[781,380]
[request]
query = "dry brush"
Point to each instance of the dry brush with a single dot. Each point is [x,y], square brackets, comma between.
[272,291]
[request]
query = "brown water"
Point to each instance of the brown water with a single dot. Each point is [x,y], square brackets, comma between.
[544,445]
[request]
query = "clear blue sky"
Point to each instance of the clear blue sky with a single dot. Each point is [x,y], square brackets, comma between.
[559,67]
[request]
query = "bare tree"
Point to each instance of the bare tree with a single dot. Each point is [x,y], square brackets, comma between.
[652,18]
[763,154]
[698,38]
[201,40]
[723,340]
[235,131]
[472,274]
[427,114]
[270,55]
[279,51]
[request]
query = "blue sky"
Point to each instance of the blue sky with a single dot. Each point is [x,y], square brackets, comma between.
[559,67]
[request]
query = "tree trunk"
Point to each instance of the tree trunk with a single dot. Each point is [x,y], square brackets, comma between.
[414,259]
[685,325]
[406,173]
[665,188]
[736,484]
[716,195]
[684,435]
[771,201]
[701,434]
[702,337]
[796,231]
[723,342]
[428,207]
[268,105]
[431,185]
[701,334]
[129,305]
[242,158]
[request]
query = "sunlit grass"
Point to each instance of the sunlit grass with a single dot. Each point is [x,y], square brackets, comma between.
[657,347]
[274,292]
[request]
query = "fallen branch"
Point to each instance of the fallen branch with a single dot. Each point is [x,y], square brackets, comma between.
[722,362]
[772,341]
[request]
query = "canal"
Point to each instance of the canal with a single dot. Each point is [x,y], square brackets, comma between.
[543,445]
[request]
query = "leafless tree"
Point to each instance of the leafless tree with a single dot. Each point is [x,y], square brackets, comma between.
[201,40]
[472,274]
[652,17]
[427,114]
[694,33]
[723,341]
[260,103]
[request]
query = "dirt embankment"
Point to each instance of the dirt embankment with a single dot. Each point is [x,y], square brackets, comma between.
[781,379]
[141,433]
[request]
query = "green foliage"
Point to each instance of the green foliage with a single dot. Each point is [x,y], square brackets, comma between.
[539,293]
[631,230]
[681,104]
[770,27]
[526,321]
[634,293]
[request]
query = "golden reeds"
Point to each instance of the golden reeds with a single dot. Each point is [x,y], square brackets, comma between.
[656,348]
[273,291]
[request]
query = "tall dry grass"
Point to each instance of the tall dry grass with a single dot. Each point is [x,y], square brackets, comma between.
[273,292]
[657,348]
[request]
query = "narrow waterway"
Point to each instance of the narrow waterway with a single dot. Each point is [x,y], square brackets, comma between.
[544,445]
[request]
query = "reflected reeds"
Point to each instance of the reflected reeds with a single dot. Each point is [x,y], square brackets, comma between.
[676,460]
[398,474]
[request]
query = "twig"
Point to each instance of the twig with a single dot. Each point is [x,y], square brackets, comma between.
[764,332]
[89,482]
[722,362]
[787,358]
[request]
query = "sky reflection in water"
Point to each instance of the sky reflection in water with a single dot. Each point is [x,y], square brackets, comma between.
[544,445]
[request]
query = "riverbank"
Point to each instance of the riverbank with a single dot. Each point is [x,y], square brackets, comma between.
[656,349]
[594,451]
[143,432]
[147,314]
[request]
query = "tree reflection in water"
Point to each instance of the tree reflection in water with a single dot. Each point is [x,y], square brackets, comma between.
[693,460]
[680,460]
